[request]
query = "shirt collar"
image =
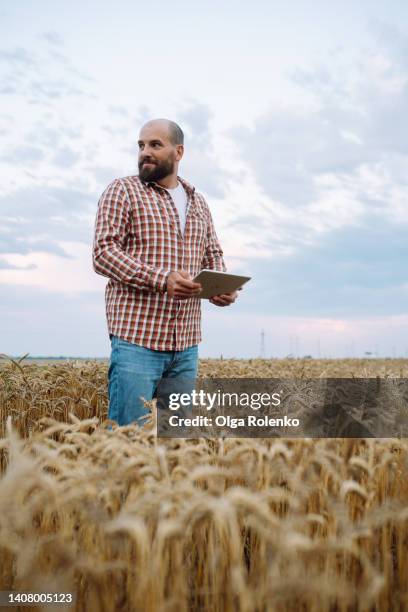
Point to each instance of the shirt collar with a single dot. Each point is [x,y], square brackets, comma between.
[187,186]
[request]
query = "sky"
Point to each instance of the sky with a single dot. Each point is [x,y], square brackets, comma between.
[296,133]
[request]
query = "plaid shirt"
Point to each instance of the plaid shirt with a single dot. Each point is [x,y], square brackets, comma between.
[137,244]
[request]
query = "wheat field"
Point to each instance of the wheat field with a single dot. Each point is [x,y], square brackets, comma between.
[129,522]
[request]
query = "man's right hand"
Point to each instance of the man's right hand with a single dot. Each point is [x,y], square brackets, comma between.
[181,287]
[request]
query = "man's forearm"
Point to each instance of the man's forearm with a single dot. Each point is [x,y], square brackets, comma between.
[116,264]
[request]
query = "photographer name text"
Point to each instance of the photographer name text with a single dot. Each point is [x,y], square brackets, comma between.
[249,420]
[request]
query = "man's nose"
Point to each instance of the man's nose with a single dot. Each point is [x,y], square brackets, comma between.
[145,153]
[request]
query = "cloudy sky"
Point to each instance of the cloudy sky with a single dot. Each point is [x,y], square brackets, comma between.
[296,133]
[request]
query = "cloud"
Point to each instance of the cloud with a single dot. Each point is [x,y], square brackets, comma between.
[356,121]
[42,77]
[45,201]
[25,244]
[197,120]
[40,218]
[51,137]
[23,154]
[45,322]
[5,265]
[67,275]
[326,175]
[53,38]
[311,202]
[201,168]
[8,90]
[116,130]
[65,157]
[17,57]
[353,271]
[104,175]
[200,164]
[120,111]
[52,89]
[393,39]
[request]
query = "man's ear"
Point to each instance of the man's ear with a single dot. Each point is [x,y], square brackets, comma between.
[179,152]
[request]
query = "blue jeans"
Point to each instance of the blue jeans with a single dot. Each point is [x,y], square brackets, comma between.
[135,371]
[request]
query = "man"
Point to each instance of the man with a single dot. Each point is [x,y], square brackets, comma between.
[153,235]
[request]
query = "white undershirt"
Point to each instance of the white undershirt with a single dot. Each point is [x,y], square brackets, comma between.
[179,198]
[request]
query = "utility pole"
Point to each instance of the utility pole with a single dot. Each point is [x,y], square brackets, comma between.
[262,353]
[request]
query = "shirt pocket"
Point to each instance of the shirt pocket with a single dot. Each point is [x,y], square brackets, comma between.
[156,224]
[196,228]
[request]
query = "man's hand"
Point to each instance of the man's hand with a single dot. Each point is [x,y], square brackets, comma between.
[225,299]
[181,287]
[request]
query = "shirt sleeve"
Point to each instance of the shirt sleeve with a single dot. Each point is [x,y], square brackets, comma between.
[213,256]
[109,256]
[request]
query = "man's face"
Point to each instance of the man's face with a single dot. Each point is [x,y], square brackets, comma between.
[157,154]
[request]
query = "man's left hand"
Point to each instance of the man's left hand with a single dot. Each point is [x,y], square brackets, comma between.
[225,299]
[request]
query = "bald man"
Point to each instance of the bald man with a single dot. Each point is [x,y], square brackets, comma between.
[153,234]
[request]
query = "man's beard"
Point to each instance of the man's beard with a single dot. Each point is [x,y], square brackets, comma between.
[157,171]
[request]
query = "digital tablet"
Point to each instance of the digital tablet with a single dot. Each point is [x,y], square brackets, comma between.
[216,283]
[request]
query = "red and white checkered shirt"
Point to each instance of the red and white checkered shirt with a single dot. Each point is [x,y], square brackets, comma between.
[137,243]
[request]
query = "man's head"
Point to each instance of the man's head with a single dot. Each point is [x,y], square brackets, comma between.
[160,149]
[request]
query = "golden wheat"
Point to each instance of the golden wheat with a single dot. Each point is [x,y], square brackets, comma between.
[130,522]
